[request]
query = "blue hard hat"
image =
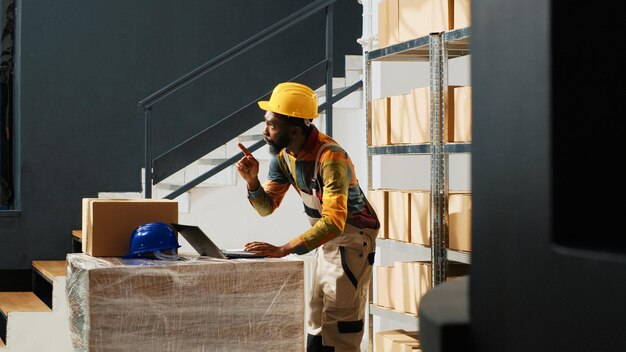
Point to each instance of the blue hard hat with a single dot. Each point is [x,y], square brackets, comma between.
[152,237]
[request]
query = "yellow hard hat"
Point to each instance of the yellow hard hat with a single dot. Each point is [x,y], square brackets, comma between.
[292,99]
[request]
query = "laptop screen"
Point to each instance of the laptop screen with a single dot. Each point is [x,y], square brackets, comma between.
[205,247]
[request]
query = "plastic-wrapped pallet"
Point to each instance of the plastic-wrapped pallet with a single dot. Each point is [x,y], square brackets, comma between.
[198,304]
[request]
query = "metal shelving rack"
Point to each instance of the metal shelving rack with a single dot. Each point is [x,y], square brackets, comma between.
[437,49]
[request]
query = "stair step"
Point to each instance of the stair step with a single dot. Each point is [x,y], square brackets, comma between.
[77,241]
[21,302]
[250,138]
[215,161]
[50,269]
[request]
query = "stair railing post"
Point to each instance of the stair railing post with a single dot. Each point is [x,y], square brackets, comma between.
[148,149]
[329,70]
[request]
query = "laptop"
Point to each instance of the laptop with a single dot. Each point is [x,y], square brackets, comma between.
[205,247]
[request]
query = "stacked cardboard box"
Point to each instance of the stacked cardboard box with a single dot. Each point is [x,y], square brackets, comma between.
[199,304]
[407,217]
[402,286]
[409,120]
[402,20]
[397,341]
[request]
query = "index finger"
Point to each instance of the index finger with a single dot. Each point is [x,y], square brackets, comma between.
[245,151]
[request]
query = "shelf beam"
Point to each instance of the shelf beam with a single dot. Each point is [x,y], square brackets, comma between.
[422,251]
[418,49]
[452,148]
[405,318]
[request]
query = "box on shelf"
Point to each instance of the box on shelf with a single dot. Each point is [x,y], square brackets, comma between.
[385,286]
[402,20]
[462,113]
[462,14]
[107,224]
[397,341]
[408,120]
[412,280]
[383,25]
[410,117]
[399,216]
[420,217]
[460,221]
[401,291]
[399,121]
[381,114]
[388,26]
[379,199]
[199,304]
[418,18]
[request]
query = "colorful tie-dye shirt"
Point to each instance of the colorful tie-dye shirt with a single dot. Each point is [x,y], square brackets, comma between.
[341,197]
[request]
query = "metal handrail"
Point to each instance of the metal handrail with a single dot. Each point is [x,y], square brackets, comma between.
[146,104]
[271,31]
[170,161]
[344,93]
[257,145]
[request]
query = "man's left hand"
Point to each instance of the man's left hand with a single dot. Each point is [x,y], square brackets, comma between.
[263,248]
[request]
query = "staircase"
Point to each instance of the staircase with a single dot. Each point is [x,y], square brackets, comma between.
[31,320]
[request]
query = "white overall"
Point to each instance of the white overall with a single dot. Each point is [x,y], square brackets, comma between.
[342,278]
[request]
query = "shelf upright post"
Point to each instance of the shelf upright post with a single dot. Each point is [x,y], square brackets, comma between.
[367,78]
[367,96]
[438,159]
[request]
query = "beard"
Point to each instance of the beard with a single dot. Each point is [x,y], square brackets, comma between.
[279,144]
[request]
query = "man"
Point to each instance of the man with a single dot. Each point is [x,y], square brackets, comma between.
[344,225]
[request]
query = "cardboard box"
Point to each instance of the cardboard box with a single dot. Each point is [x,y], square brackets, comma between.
[400,124]
[393,20]
[381,115]
[408,343]
[462,14]
[108,224]
[419,113]
[385,286]
[420,217]
[379,199]
[411,281]
[200,304]
[410,117]
[383,25]
[422,274]
[460,221]
[393,340]
[388,12]
[418,18]
[462,113]
[399,216]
